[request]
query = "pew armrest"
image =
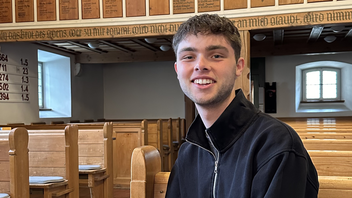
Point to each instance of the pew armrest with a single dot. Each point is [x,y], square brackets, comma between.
[101,178]
[63,192]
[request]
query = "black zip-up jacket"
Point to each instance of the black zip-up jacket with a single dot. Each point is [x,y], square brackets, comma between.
[253,156]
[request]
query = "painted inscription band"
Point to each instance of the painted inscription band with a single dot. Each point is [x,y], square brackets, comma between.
[248,23]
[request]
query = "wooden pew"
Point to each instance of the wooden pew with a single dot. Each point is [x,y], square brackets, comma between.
[327,130]
[14,163]
[332,163]
[149,182]
[167,137]
[328,144]
[127,137]
[177,138]
[147,179]
[335,187]
[54,153]
[100,181]
[318,135]
[95,148]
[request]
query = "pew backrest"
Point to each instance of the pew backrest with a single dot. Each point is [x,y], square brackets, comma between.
[318,135]
[146,163]
[55,153]
[328,144]
[127,137]
[332,163]
[14,163]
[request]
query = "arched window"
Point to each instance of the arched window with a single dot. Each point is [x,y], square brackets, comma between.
[321,84]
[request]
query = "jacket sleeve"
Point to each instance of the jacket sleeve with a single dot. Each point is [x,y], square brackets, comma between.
[173,185]
[284,175]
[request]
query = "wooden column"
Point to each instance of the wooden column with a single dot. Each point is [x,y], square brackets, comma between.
[244,81]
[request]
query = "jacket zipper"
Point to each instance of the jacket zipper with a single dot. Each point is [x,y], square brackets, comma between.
[216,160]
[216,156]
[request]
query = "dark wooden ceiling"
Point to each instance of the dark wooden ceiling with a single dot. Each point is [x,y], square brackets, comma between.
[286,41]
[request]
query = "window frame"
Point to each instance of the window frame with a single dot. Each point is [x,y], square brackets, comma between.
[42,104]
[321,99]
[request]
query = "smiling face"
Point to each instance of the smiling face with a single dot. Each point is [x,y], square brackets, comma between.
[206,68]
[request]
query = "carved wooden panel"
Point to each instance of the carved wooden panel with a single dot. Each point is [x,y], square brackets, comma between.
[112,8]
[90,9]
[68,9]
[287,2]
[159,7]
[208,5]
[135,8]
[262,3]
[46,10]
[183,6]
[230,4]
[5,11]
[24,11]
[310,1]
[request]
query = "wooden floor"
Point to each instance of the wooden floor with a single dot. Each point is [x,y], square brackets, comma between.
[121,193]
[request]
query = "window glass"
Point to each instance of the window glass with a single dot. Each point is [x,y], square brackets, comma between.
[313,85]
[40,85]
[329,84]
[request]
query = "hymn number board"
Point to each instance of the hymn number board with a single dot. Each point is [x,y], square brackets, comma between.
[14,81]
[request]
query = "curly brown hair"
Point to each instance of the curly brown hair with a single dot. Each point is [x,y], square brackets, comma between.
[209,24]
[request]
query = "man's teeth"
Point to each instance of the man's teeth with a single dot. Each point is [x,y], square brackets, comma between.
[203,81]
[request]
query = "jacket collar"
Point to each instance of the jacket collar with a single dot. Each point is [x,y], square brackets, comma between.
[226,130]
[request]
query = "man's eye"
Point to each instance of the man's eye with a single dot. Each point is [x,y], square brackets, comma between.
[217,56]
[188,57]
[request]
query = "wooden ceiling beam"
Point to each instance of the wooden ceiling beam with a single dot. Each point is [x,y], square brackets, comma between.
[85,46]
[294,48]
[58,47]
[146,45]
[278,36]
[117,46]
[143,56]
[315,33]
[349,34]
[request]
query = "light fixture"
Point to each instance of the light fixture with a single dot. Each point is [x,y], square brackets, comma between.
[150,40]
[165,48]
[330,39]
[337,29]
[93,44]
[259,37]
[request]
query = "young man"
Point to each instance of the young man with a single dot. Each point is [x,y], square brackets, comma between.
[232,149]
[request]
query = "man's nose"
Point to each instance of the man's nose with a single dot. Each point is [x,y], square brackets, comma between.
[202,64]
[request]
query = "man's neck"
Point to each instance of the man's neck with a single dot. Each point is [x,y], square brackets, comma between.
[209,114]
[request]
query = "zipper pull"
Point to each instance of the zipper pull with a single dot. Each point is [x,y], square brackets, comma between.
[216,167]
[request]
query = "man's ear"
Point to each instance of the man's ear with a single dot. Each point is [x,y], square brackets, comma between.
[239,66]
[175,65]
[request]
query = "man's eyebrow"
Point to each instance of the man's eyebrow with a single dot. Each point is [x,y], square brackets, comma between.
[215,47]
[187,49]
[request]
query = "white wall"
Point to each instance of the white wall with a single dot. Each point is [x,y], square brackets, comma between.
[88,93]
[281,69]
[86,90]
[11,112]
[142,90]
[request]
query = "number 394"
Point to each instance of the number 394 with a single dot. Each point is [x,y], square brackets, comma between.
[4,96]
